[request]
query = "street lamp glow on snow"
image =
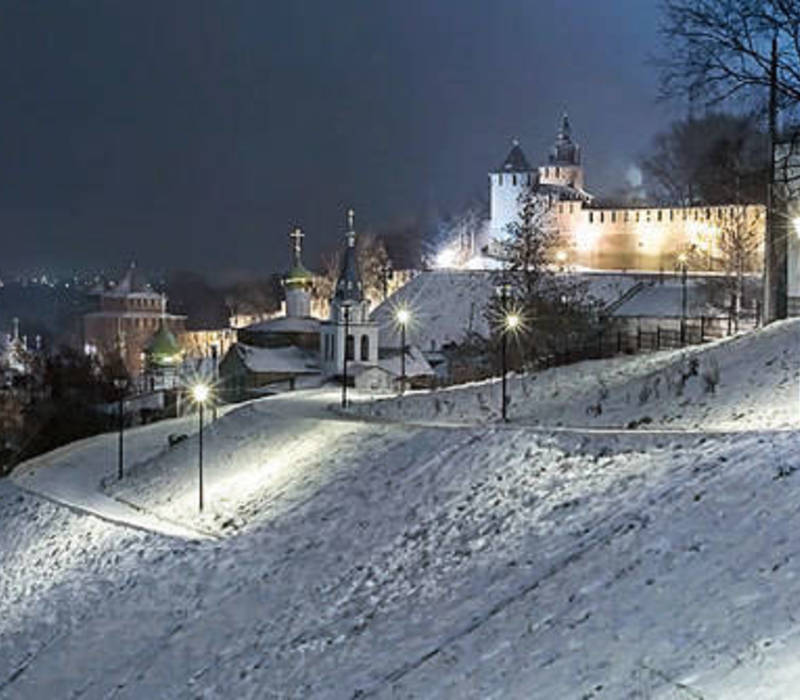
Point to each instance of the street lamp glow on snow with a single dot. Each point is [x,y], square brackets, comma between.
[446,257]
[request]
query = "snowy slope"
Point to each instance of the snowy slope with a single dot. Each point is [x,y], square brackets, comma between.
[397,561]
[748,381]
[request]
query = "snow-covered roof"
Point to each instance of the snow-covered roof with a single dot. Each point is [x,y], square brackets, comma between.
[416,364]
[290,359]
[515,161]
[665,300]
[446,305]
[132,282]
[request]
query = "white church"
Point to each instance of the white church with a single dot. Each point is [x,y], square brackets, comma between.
[300,350]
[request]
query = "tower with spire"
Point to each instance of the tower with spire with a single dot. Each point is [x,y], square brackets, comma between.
[563,165]
[348,331]
[506,184]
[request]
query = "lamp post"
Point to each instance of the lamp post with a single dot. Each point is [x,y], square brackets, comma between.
[119,384]
[682,260]
[344,362]
[200,394]
[403,316]
[511,322]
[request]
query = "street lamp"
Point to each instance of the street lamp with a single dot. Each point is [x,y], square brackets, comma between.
[510,324]
[200,394]
[682,259]
[344,362]
[402,316]
[120,383]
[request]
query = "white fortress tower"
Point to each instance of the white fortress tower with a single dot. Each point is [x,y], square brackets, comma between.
[513,178]
[564,163]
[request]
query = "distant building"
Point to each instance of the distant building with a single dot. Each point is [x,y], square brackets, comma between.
[597,236]
[128,316]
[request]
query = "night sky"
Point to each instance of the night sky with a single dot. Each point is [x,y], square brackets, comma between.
[192,133]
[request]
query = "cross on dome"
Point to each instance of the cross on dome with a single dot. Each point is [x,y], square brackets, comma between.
[297,236]
[351,233]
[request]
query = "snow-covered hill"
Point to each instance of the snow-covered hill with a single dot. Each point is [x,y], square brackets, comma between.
[744,382]
[389,560]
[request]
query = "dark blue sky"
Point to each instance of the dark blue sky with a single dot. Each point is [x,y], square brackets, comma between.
[192,133]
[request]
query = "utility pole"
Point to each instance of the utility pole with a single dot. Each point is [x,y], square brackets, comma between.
[775,248]
[344,362]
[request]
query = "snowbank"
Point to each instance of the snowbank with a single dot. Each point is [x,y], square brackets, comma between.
[744,382]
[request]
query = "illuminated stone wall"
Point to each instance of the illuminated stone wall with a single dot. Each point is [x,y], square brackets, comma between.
[651,238]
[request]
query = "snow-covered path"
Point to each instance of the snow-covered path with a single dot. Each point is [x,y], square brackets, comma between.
[71,475]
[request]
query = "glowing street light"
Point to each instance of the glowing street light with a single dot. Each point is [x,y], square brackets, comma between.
[200,393]
[510,324]
[402,316]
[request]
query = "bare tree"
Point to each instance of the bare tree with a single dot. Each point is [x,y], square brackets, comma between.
[741,250]
[717,159]
[723,47]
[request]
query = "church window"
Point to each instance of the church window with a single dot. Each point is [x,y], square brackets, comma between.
[627,216]
[558,171]
[647,215]
[671,214]
[560,208]
[570,208]
[591,217]
[684,214]
[637,217]
[529,179]
[658,217]
[349,348]
[708,213]
[696,215]
[500,179]
[602,217]
[719,213]
[365,347]
[513,179]
[613,217]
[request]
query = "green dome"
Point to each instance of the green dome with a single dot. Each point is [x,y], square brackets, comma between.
[163,348]
[299,275]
